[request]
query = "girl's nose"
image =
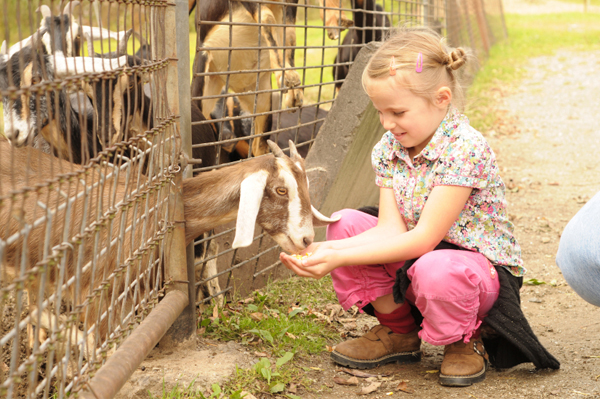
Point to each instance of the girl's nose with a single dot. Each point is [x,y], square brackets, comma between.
[387,123]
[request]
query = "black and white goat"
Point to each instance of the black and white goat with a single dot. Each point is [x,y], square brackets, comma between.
[75,130]
[370,24]
[271,191]
[300,127]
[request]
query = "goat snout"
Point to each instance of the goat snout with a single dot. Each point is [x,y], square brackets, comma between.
[307,241]
[16,137]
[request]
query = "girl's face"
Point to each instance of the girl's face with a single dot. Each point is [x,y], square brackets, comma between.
[412,120]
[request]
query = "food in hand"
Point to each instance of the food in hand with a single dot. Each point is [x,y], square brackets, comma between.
[300,257]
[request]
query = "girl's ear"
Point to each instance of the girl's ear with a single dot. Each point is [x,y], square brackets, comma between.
[443,97]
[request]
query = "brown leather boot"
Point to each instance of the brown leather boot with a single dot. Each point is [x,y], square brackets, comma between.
[379,346]
[464,363]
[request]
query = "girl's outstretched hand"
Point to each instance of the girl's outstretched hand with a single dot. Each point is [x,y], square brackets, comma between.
[322,260]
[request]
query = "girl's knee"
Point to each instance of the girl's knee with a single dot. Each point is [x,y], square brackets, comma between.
[441,274]
[352,222]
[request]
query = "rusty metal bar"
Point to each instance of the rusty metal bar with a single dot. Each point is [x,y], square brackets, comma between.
[177,266]
[119,367]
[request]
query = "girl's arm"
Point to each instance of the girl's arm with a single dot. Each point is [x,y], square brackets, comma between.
[389,224]
[444,205]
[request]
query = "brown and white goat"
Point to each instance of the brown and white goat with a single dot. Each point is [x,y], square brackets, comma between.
[334,17]
[72,237]
[253,48]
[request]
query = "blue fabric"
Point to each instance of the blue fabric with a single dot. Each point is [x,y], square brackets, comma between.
[578,254]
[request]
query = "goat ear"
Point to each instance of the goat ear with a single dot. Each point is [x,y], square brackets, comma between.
[321,220]
[251,195]
[275,149]
[65,66]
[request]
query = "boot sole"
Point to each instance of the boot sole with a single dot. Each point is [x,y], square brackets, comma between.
[463,380]
[404,357]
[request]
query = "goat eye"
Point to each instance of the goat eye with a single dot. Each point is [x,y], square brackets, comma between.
[281,190]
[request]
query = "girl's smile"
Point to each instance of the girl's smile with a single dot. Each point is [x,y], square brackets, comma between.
[412,120]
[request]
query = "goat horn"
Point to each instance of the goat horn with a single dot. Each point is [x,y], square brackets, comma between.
[274,148]
[68,10]
[321,220]
[141,38]
[90,44]
[294,151]
[122,49]
[4,48]
[44,10]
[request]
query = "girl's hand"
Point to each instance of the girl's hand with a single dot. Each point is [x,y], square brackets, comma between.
[322,261]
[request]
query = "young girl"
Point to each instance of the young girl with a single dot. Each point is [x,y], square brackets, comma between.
[438,180]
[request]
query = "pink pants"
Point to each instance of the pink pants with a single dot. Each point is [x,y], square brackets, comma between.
[453,289]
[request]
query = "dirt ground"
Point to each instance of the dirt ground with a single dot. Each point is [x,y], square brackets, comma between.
[547,146]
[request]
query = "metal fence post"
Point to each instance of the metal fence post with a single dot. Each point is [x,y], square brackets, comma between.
[178,266]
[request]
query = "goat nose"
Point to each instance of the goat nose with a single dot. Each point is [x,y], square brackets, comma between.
[307,241]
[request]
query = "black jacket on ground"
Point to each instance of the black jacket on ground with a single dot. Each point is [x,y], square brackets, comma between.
[515,341]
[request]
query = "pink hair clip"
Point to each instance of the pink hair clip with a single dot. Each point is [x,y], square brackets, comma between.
[419,67]
[393,66]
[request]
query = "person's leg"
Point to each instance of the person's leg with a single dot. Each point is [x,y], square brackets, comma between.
[395,339]
[578,254]
[454,290]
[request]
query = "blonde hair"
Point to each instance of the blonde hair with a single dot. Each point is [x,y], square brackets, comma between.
[439,62]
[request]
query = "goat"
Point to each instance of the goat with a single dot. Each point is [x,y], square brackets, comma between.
[233,122]
[212,20]
[75,131]
[271,191]
[368,27]
[334,18]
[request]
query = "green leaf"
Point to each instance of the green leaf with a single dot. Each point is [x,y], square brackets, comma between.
[289,395]
[284,359]
[533,281]
[279,387]
[252,308]
[205,322]
[216,391]
[266,336]
[295,312]
[266,373]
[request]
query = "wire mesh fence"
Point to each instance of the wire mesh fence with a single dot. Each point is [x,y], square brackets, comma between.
[90,148]
[84,186]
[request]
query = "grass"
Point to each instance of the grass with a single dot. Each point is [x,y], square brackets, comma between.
[529,36]
[279,322]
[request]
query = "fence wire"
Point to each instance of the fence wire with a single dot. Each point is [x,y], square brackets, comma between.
[84,182]
[89,151]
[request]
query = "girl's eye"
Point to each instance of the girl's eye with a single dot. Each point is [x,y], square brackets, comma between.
[399,113]
[281,190]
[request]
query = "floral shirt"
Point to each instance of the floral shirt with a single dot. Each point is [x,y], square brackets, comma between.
[457,155]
